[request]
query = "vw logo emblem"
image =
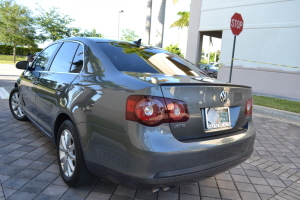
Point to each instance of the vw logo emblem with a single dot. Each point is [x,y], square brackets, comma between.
[223,96]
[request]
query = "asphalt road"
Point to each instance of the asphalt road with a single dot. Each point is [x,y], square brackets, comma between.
[8,76]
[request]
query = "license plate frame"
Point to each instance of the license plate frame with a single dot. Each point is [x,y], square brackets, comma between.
[217,118]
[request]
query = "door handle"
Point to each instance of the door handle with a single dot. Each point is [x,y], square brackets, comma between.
[59,88]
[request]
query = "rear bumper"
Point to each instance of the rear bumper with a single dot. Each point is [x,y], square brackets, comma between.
[167,178]
[152,156]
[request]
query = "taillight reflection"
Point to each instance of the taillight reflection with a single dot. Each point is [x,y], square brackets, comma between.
[153,111]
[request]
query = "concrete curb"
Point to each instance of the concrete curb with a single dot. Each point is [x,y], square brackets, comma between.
[286,116]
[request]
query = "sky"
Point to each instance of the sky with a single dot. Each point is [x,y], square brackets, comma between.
[103,15]
[99,14]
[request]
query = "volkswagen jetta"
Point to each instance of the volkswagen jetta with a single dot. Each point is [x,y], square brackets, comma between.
[133,113]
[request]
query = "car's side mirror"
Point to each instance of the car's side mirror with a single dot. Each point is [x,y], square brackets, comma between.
[22,65]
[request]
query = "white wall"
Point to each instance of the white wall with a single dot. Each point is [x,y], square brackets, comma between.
[271,34]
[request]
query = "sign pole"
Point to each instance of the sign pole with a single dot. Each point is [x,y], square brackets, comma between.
[232,59]
[236,26]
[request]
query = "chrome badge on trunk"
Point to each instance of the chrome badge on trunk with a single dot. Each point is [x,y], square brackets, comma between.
[223,96]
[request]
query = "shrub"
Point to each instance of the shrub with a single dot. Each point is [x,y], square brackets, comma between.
[8,50]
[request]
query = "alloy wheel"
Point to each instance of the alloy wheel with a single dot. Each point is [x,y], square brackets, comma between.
[16,105]
[67,153]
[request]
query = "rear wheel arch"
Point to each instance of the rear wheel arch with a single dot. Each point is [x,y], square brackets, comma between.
[58,122]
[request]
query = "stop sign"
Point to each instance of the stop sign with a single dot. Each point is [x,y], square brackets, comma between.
[236,24]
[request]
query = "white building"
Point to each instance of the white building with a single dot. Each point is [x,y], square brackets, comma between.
[268,49]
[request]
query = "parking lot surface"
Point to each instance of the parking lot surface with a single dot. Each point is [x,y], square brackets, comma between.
[29,170]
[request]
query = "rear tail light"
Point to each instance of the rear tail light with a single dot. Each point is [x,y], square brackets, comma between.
[249,107]
[178,111]
[153,111]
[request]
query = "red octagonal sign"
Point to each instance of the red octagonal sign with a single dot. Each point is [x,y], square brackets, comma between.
[236,24]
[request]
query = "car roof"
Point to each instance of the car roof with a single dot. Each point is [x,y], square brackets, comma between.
[89,40]
[96,39]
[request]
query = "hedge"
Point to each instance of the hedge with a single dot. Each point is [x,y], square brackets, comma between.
[22,51]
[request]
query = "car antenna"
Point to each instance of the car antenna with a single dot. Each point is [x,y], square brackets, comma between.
[138,43]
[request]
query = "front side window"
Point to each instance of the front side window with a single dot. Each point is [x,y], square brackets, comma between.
[130,58]
[64,57]
[44,58]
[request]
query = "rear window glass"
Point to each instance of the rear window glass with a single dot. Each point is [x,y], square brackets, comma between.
[131,58]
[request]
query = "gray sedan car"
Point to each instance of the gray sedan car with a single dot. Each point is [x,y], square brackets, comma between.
[135,114]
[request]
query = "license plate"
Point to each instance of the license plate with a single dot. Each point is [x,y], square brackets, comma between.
[217,117]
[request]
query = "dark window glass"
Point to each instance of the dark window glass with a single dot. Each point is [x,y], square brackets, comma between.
[63,59]
[43,59]
[77,61]
[131,58]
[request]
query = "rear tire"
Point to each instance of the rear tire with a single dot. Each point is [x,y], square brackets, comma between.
[70,158]
[15,105]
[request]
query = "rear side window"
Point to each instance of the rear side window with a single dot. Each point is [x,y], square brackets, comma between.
[128,57]
[64,57]
[77,61]
[43,59]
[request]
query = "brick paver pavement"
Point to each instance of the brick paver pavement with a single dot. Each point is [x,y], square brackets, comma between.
[28,168]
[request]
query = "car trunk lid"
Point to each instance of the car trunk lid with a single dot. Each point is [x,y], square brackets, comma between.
[209,113]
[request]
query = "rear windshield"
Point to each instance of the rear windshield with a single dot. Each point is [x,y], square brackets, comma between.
[130,58]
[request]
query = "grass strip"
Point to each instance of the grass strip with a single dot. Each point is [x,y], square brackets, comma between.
[7,59]
[281,104]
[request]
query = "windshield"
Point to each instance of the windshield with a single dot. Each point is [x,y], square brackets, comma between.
[130,58]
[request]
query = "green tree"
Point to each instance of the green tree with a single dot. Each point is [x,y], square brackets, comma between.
[212,56]
[133,49]
[16,25]
[92,33]
[183,21]
[128,35]
[174,49]
[53,25]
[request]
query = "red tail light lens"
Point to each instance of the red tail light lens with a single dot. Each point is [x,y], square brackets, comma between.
[249,107]
[152,111]
[147,110]
[178,111]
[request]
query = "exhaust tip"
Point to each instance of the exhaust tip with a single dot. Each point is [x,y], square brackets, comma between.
[165,188]
[153,190]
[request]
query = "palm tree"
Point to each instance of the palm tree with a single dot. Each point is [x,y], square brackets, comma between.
[161,21]
[183,21]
